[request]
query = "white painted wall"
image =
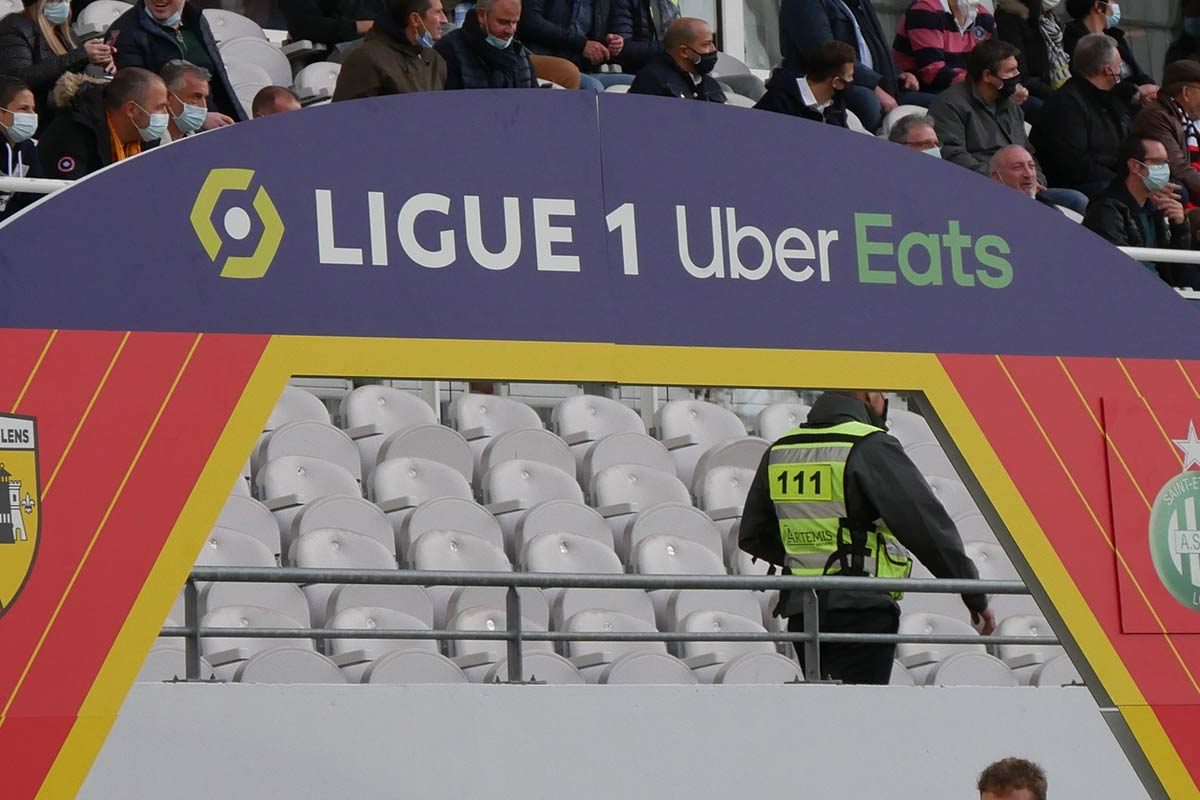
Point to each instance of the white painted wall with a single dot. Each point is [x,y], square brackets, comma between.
[598,742]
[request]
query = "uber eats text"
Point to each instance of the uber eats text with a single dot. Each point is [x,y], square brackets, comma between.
[710,243]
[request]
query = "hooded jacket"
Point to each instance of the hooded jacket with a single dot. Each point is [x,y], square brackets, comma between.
[881,482]
[77,143]
[472,63]
[387,63]
[783,97]
[25,54]
[144,43]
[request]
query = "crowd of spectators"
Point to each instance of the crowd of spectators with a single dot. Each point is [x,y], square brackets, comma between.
[1044,96]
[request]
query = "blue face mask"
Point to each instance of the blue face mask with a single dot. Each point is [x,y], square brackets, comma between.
[1191,26]
[936,152]
[1114,15]
[191,118]
[155,129]
[171,21]
[1160,175]
[24,126]
[425,39]
[56,13]
[498,43]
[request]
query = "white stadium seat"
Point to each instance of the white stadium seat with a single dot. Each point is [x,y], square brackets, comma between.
[226,25]
[533,603]
[622,491]
[634,602]
[285,598]
[717,662]
[167,661]
[949,664]
[779,419]
[345,512]
[946,605]
[317,80]
[898,113]
[624,448]
[479,417]
[954,497]
[288,665]
[689,428]
[647,668]
[294,405]
[249,79]
[373,413]
[399,485]
[557,516]
[354,656]
[430,441]
[414,667]
[1024,659]
[515,487]
[746,453]
[454,550]
[594,658]
[1057,672]
[226,654]
[994,565]
[96,16]
[730,601]
[224,547]
[259,52]
[931,460]
[909,428]
[548,668]
[308,438]
[901,676]
[411,600]
[451,514]
[672,519]
[477,656]
[286,484]
[247,515]
[531,444]
[330,548]
[570,553]
[584,419]
[672,555]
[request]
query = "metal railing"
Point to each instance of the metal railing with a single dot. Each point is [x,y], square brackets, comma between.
[515,633]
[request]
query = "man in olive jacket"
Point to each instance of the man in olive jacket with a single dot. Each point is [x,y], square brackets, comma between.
[397,55]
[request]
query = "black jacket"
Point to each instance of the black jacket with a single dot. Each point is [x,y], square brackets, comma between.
[144,43]
[12,156]
[805,24]
[77,143]
[1127,89]
[472,63]
[1078,134]
[1018,22]
[664,78]
[881,482]
[326,22]
[546,28]
[642,24]
[783,97]
[1183,47]
[1113,214]
[25,54]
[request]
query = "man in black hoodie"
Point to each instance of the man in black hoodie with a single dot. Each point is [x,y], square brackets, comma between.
[819,93]
[485,52]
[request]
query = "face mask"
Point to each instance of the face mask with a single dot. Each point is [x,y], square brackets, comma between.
[1160,175]
[1191,26]
[425,39]
[173,20]
[157,127]
[705,63]
[191,118]
[1008,87]
[56,13]
[1114,15]
[1050,5]
[24,125]
[936,152]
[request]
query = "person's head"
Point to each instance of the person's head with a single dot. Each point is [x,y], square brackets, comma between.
[1012,779]
[165,12]
[875,401]
[917,131]
[1015,168]
[187,94]
[992,67]
[1098,60]
[274,100]
[421,19]
[830,64]
[498,19]
[1181,81]
[53,19]
[690,43]
[1143,162]
[1105,13]
[136,103]
[18,112]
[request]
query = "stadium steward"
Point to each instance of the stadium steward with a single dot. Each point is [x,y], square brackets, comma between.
[642,26]
[37,46]
[917,132]
[935,36]
[485,52]
[153,32]
[397,55]
[683,68]
[879,85]
[98,125]
[18,121]
[577,31]
[187,94]
[1012,779]
[1171,120]
[817,94]
[1081,128]
[1104,17]
[274,100]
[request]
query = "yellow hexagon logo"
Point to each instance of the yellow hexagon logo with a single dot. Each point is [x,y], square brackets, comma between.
[237,223]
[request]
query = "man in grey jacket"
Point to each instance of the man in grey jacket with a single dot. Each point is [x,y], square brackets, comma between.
[882,488]
[977,117]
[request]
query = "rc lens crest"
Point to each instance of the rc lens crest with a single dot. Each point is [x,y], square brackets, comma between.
[20,504]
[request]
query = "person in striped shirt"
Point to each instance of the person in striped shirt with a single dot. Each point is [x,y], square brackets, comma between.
[935,36]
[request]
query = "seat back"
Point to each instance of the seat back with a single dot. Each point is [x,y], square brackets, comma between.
[1027,654]
[570,552]
[633,483]
[935,625]
[931,460]
[455,550]
[289,665]
[570,602]
[448,513]
[334,548]
[602,620]
[261,53]
[725,488]
[746,452]
[317,80]
[779,419]
[431,442]
[411,600]
[548,668]
[249,617]
[992,561]
[759,669]
[594,415]
[348,513]
[247,515]
[531,444]
[226,25]
[308,477]
[672,519]
[648,669]
[308,438]
[674,555]
[248,80]
[389,409]
[493,414]
[285,598]
[533,602]
[96,17]
[414,667]
[954,497]
[294,404]
[418,479]
[491,618]
[909,428]
[559,516]
[530,481]
[972,669]
[362,618]
[742,602]
[708,422]
[716,622]
[230,548]
[624,448]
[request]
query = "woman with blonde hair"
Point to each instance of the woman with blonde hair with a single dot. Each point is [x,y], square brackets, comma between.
[38,47]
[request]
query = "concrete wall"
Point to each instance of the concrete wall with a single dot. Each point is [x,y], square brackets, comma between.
[598,743]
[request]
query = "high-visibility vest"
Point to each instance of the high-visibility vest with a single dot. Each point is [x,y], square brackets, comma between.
[806,471]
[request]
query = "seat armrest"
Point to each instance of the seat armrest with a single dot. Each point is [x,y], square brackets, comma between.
[474,660]
[507,506]
[619,509]
[350,658]
[676,442]
[398,504]
[230,656]
[363,431]
[482,432]
[591,659]
[719,514]
[578,437]
[702,660]
[301,48]
[286,501]
[921,659]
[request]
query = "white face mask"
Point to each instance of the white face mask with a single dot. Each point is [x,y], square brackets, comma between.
[1050,5]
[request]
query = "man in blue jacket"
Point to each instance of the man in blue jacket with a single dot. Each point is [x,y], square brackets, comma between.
[153,32]
[879,86]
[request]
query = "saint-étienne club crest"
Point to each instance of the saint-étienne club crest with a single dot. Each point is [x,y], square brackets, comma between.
[20,504]
[1175,527]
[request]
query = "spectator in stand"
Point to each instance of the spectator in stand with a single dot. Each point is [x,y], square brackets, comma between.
[187,94]
[935,36]
[1170,119]
[1101,16]
[18,121]
[682,69]
[485,53]
[575,30]
[642,27]
[397,55]
[917,132]
[1012,779]
[327,22]
[1015,167]
[38,47]
[100,124]
[977,117]
[1082,126]
[274,100]
[819,93]
[1032,28]
[1188,43]
[1141,208]
[879,86]
[152,33]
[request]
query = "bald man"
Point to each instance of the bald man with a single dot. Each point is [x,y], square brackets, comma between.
[682,70]
[1016,168]
[274,100]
